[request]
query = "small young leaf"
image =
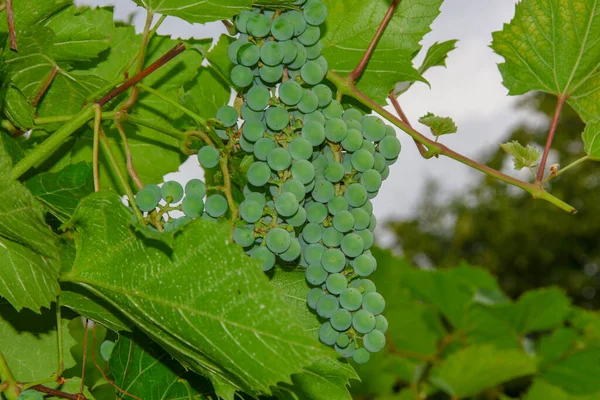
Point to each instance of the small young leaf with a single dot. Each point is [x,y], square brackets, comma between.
[523,157]
[439,125]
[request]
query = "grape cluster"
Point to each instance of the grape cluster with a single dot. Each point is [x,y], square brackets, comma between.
[316,166]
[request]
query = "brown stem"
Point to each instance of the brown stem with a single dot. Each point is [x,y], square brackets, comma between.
[130,167]
[557,112]
[45,86]
[95,152]
[58,393]
[168,56]
[11,25]
[404,118]
[224,161]
[357,72]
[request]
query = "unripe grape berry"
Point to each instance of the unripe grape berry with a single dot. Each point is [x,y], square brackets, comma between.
[172,191]
[208,157]
[265,256]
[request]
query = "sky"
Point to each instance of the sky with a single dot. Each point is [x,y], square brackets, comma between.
[470,91]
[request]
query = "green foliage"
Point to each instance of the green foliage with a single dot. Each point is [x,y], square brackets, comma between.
[439,125]
[523,157]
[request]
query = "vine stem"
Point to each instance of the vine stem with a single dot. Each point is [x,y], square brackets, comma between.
[10,16]
[95,151]
[553,125]
[59,334]
[45,84]
[176,104]
[404,118]
[360,68]
[58,393]
[565,169]
[130,167]
[224,163]
[11,391]
[437,149]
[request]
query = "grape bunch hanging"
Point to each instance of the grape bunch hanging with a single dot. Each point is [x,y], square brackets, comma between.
[316,166]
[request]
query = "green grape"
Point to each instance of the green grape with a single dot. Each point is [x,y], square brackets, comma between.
[290,51]
[351,299]
[364,265]
[35,395]
[279,159]
[278,240]
[364,285]
[314,51]
[242,76]
[380,163]
[362,219]
[251,211]
[269,13]
[373,223]
[312,73]
[342,340]
[310,37]
[106,349]
[356,195]
[309,102]
[374,303]
[147,199]
[361,356]
[313,253]
[156,189]
[216,205]
[271,75]
[390,131]
[313,297]
[290,92]
[315,12]
[228,116]
[373,128]
[333,260]
[286,204]
[341,320]
[385,173]
[346,352]
[381,323]
[374,341]
[368,207]
[334,109]
[323,191]
[317,213]
[336,130]
[352,114]
[327,334]
[246,145]
[367,237]
[362,160]
[271,54]
[336,283]
[300,59]
[265,256]
[353,140]
[316,275]
[370,147]
[363,321]
[298,21]
[258,25]
[316,116]
[325,67]
[371,180]
[304,171]
[248,55]
[332,237]
[253,130]
[208,157]
[244,237]
[232,50]
[343,221]
[293,252]
[337,205]
[258,98]
[312,233]
[352,245]
[314,132]
[242,20]
[334,172]
[250,115]
[277,118]
[295,187]
[298,219]
[389,147]
[282,28]
[263,147]
[300,148]
[255,196]
[354,124]
[323,93]
[327,305]
[195,187]
[193,206]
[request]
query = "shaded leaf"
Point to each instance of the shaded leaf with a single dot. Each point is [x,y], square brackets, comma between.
[439,125]
[219,60]
[523,157]
[591,140]
[207,93]
[577,373]
[17,109]
[542,390]
[555,345]
[539,310]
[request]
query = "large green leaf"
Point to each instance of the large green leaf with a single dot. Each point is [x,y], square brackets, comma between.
[542,390]
[576,373]
[205,301]
[28,248]
[554,46]
[351,26]
[93,308]
[17,108]
[539,310]
[207,93]
[29,343]
[62,191]
[476,368]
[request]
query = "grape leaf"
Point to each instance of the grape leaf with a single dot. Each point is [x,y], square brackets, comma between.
[439,125]
[523,157]
[29,272]
[61,191]
[539,310]
[205,301]
[219,60]
[577,373]
[542,390]
[17,109]
[29,343]
[351,26]
[72,385]
[436,57]
[207,93]
[554,46]
[143,369]
[197,11]
[591,144]
[474,369]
